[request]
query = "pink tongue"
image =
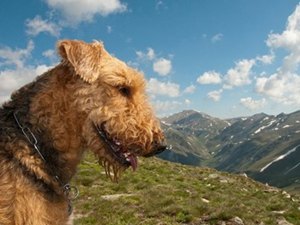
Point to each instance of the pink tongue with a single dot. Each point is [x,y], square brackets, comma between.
[133,162]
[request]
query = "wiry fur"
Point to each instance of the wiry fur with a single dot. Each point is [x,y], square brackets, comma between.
[60,108]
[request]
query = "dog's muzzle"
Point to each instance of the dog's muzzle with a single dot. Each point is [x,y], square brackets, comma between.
[127,156]
[158,149]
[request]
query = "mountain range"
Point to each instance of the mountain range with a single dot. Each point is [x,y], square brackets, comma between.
[265,147]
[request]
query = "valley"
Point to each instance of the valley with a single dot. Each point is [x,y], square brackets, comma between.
[265,147]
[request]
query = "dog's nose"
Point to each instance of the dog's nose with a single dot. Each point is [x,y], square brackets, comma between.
[157,149]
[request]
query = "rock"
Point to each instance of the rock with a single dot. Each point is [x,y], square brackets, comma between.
[224,181]
[287,195]
[213,176]
[188,191]
[221,223]
[237,221]
[205,200]
[244,189]
[271,190]
[279,212]
[244,174]
[282,221]
[115,197]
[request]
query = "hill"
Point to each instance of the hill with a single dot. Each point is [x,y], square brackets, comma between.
[188,133]
[266,147]
[160,192]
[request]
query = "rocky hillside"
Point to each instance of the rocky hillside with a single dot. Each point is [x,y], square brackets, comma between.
[160,192]
[266,147]
[189,132]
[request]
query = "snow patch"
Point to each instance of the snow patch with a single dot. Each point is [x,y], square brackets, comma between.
[229,124]
[266,118]
[279,158]
[264,127]
[165,123]
[294,167]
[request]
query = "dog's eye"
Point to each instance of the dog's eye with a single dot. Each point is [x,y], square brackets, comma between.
[125,91]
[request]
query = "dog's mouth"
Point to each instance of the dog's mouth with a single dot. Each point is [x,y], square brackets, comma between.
[116,149]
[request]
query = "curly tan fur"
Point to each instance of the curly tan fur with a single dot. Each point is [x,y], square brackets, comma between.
[61,108]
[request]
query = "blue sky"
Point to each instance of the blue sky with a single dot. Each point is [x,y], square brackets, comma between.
[227,58]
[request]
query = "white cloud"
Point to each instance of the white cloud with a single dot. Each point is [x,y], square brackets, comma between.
[37,25]
[162,66]
[109,29]
[215,95]
[133,64]
[165,107]
[282,88]
[140,54]
[190,89]
[217,37]
[76,11]
[187,101]
[155,87]
[266,59]
[16,57]
[51,55]
[210,77]
[239,75]
[252,104]
[289,39]
[290,36]
[149,55]
[159,4]
[12,79]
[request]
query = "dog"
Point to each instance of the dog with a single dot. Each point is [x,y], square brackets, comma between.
[89,101]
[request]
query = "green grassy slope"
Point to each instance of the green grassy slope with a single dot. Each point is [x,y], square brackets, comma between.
[160,192]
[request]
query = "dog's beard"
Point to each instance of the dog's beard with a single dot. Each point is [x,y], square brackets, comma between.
[113,170]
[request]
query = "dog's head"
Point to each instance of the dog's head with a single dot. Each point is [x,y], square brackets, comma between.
[120,124]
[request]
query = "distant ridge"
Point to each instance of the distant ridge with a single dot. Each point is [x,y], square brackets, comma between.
[245,144]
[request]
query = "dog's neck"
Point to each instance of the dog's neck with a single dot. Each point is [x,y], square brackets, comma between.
[64,135]
[62,144]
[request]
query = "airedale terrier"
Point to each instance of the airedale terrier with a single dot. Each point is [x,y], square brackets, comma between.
[91,100]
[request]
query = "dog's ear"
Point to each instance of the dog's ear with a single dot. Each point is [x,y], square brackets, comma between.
[84,57]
